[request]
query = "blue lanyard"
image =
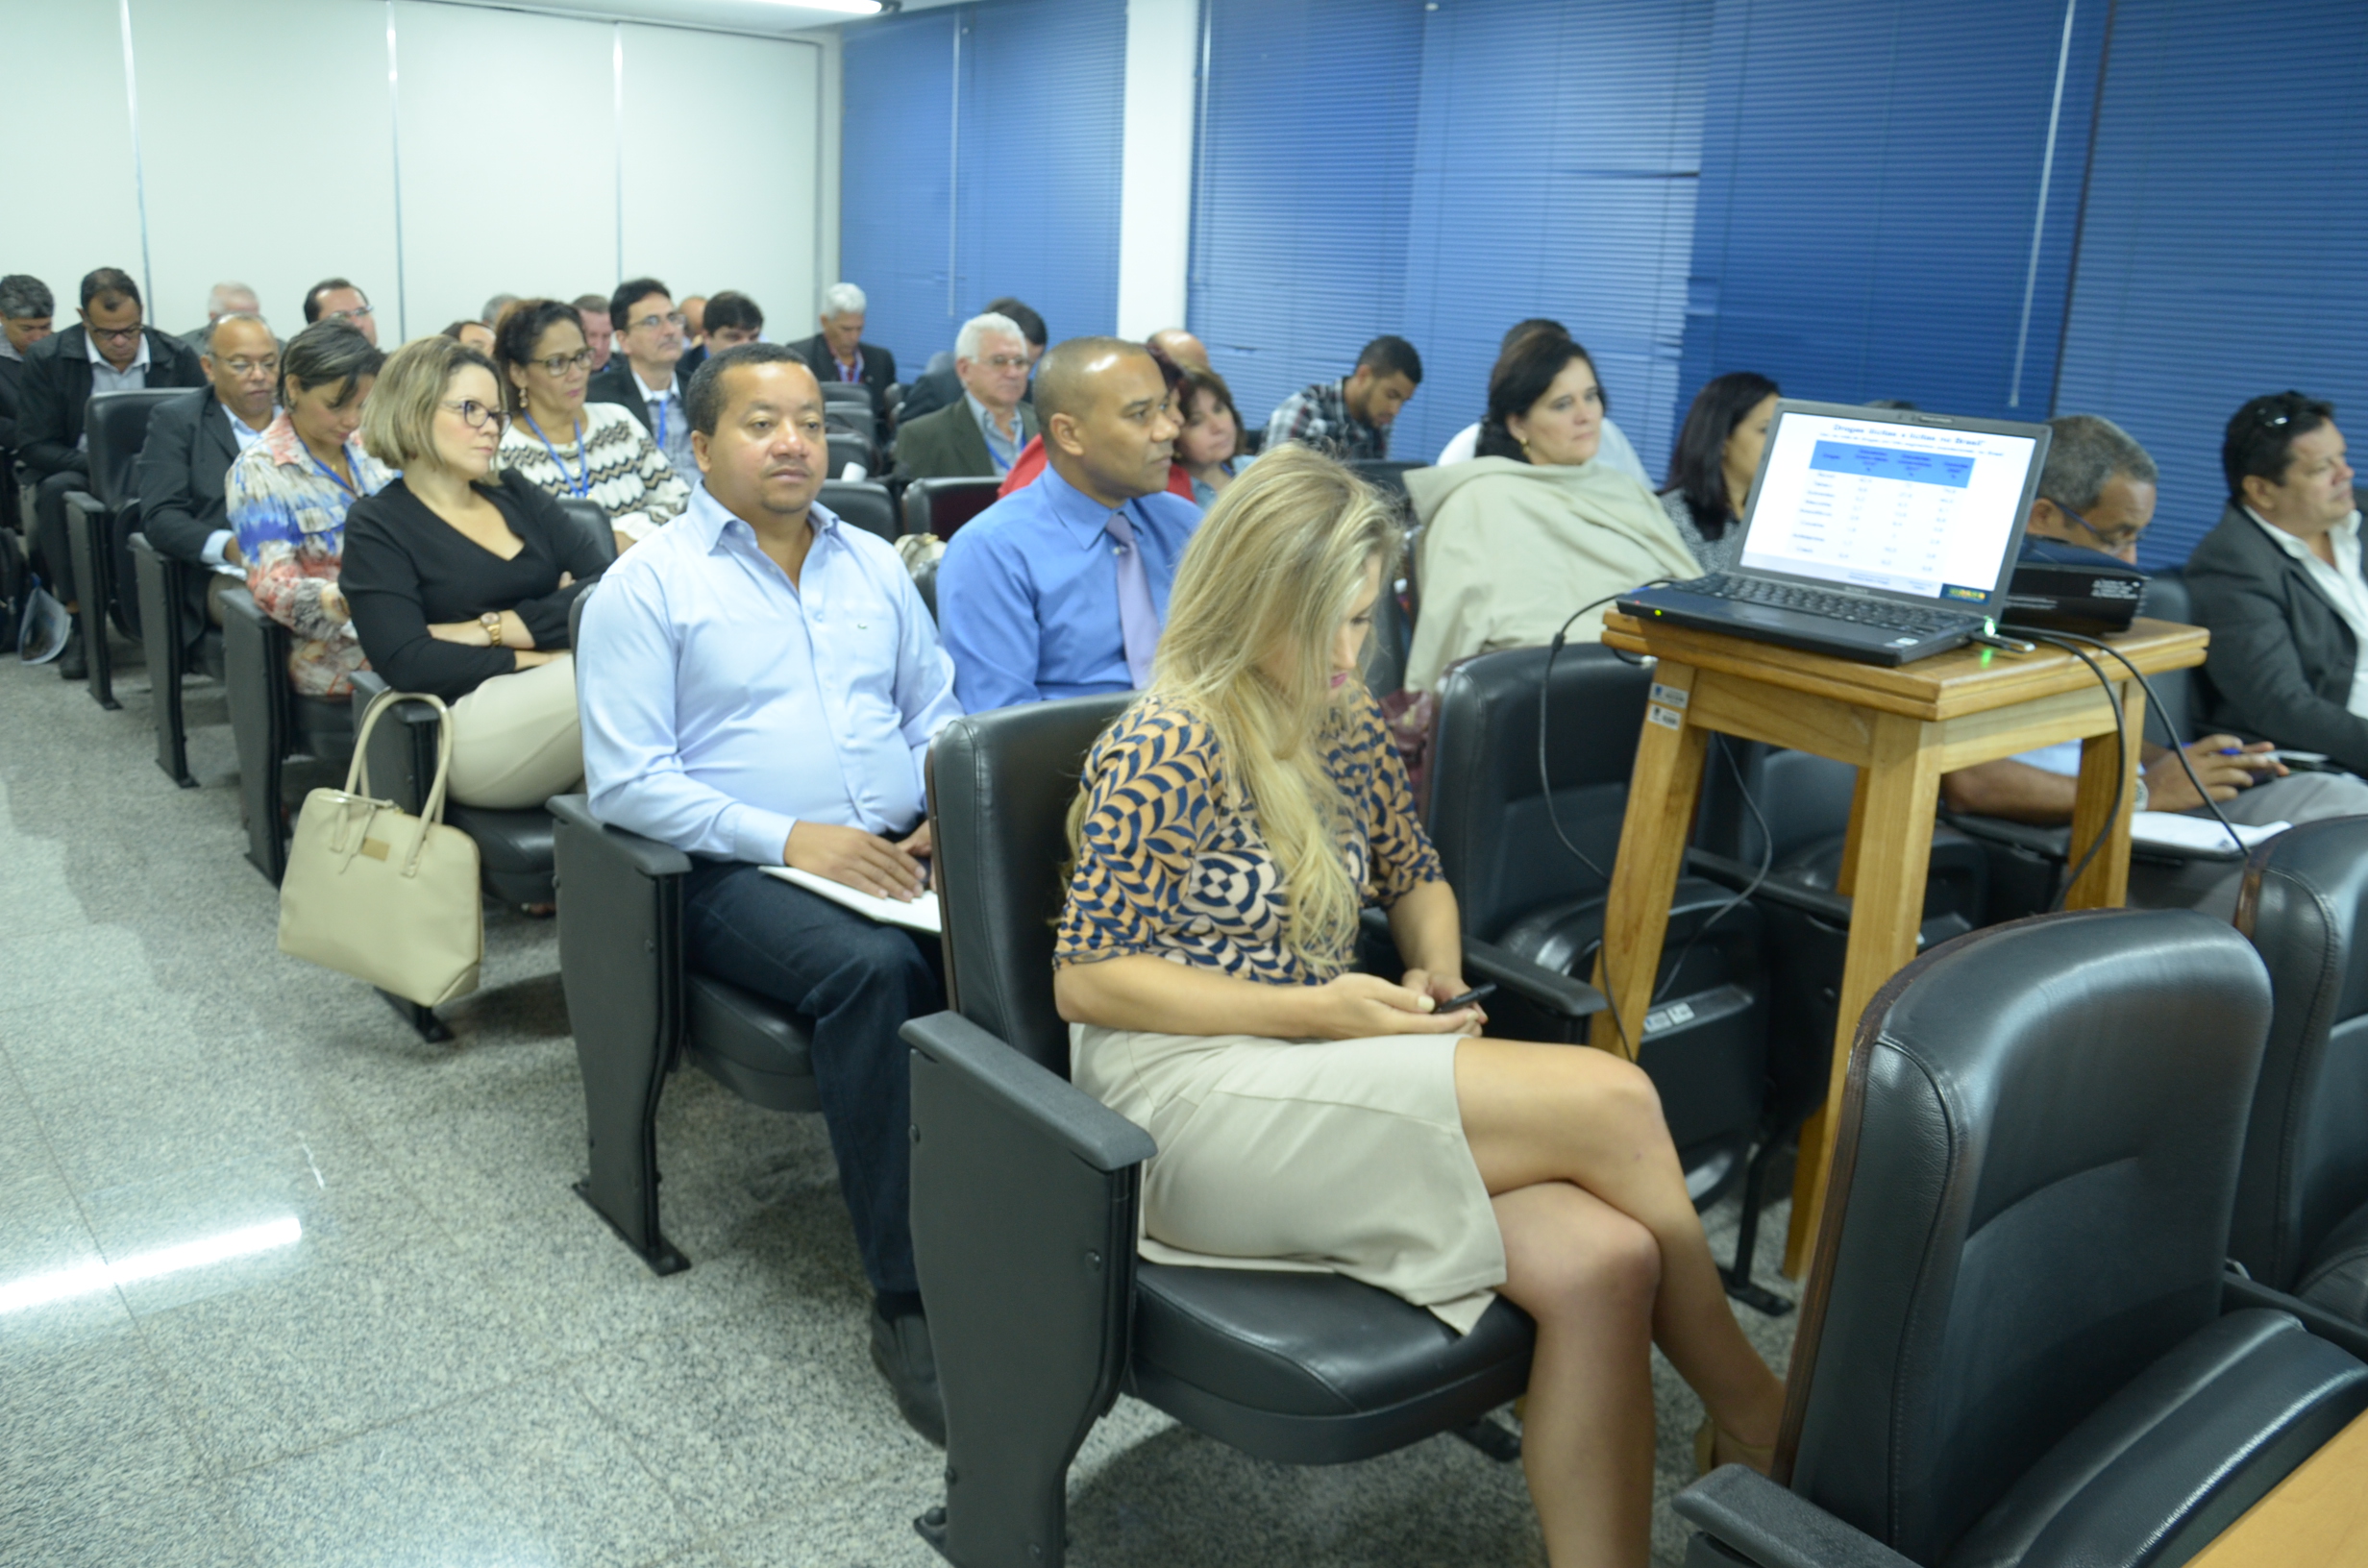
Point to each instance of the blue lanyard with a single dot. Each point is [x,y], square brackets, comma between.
[333,477]
[658,414]
[577,487]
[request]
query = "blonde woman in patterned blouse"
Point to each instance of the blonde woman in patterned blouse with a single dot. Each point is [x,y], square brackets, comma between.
[596,451]
[1230,826]
[288,494]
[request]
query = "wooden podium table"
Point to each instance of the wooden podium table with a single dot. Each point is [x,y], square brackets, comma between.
[1902,728]
[2315,1518]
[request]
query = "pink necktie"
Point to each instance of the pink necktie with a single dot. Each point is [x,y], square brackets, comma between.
[1138,614]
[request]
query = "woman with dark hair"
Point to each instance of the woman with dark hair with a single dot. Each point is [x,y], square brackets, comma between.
[592,450]
[1532,527]
[1211,440]
[1717,457]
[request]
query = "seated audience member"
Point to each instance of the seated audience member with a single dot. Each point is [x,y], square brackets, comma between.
[26,310]
[2096,496]
[1717,458]
[695,322]
[108,349]
[2278,582]
[1614,446]
[1209,446]
[1532,529]
[646,380]
[731,318]
[1181,347]
[983,434]
[719,720]
[226,299]
[288,496]
[838,352]
[1031,460]
[591,451]
[183,471]
[937,389]
[460,578]
[1350,419]
[1059,589]
[1230,826]
[592,309]
[471,334]
[490,317]
[335,299]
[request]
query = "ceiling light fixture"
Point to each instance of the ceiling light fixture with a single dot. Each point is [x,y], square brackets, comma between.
[88,1279]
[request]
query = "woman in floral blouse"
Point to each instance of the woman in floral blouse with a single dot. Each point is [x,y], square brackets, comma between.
[288,496]
[1232,825]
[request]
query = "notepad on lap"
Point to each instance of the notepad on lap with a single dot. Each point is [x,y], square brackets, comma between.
[2175,830]
[921,915]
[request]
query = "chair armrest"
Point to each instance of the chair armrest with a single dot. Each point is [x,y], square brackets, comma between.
[2052,844]
[1533,982]
[402,749]
[1764,1524]
[1830,907]
[2237,1292]
[1049,1108]
[645,856]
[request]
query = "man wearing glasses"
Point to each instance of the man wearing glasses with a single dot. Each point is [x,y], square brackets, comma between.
[643,377]
[983,434]
[336,299]
[193,443]
[108,349]
[2096,498]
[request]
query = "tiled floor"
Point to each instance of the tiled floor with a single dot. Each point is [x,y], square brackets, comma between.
[317,1293]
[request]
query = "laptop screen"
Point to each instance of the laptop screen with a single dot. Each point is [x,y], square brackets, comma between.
[1928,509]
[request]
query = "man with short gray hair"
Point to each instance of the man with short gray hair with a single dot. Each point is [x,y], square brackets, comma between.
[981,435]
[2096,496]
[838,352]
[225,299]
[26,310]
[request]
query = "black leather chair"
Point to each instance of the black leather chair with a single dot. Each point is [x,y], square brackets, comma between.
[2012,1349]
[100,522]
[846,393]
[850,447]
[2301,1197]
[271,725]
[173,655]
[940,506]
[1026,1192]
[864,504]
[853,418]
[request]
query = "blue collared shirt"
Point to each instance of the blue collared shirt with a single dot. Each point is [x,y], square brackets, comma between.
[722,706]
[1027,594]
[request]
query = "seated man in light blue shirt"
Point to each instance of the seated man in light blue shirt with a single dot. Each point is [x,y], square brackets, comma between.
[759,683]
[1060,589]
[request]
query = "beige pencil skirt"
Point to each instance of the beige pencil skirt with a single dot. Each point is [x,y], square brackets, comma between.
[515,739]
[1341,1156]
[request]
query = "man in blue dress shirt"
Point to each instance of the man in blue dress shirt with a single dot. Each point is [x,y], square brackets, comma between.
[759,685]
[1060,589]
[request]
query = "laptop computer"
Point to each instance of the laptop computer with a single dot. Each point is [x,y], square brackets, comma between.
[1878,534]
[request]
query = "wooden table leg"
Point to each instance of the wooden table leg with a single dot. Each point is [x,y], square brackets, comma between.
[2106,884]
[1661,790]
[1898,791]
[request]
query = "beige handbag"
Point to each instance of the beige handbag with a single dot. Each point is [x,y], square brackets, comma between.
[378,893]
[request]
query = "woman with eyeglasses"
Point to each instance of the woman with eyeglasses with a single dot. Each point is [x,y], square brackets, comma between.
[289,496]
[593,451]
[461,577]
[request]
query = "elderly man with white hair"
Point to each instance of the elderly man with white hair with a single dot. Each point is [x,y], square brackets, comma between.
[981,435]
[224,299]
[838,352]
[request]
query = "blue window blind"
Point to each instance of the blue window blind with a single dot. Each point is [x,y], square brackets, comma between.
[1555,168]
[981,150]
[1301,189]
[2224,252]
[1871,185]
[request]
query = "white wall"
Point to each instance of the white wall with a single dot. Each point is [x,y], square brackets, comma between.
[1155,202]
[268,142]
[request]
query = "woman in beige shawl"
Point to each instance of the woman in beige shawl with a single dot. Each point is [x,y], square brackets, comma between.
[1532,529]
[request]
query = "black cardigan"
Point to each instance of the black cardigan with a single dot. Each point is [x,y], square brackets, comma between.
[405,568]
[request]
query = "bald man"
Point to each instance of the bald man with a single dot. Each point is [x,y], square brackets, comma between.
[1060,589]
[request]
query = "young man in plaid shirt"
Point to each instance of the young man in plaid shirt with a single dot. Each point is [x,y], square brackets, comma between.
[1350,419]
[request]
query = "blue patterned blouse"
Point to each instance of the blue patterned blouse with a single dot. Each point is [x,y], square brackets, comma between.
[1167,866]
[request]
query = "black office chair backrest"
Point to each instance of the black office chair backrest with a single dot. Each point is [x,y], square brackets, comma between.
[116,424]
[863,503]
[940,506]
[2038,1148]
[848,392]
[2167,599]
[1487,811]
[2305,904]
[847,447]
[852,418]
[1001,785]
[593,519]
[1385,474]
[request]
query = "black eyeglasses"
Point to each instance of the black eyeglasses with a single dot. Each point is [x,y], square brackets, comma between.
[474,414]
[2119,539]
[559,364]
[2271,416]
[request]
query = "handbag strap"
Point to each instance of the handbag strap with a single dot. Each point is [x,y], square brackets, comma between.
[357,772]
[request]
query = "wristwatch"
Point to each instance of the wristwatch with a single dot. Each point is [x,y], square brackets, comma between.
[491,620]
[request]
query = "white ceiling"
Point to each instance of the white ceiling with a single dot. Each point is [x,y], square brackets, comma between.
[762,18]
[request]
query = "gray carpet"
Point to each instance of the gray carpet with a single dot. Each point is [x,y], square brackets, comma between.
[447,1358]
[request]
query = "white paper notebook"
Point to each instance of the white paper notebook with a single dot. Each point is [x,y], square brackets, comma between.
[2176,830]
[921,915]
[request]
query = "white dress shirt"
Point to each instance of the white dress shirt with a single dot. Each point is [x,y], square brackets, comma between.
[2340,584]
[1614,448]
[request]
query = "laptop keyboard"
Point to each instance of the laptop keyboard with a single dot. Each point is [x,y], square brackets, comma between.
[1850,608]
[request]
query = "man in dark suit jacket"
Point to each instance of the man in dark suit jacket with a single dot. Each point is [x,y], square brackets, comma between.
[643,376]
[992,364]
[191,445]
[2278,582]
[25,310]
[838,352]
[934,389]
[111,349]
